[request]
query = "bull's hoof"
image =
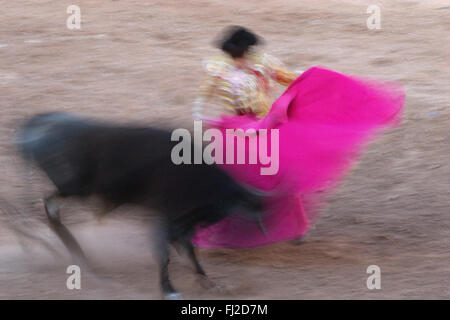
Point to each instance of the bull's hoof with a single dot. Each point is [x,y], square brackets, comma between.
[206,283]
[210,285]
[173,296]
[217,288]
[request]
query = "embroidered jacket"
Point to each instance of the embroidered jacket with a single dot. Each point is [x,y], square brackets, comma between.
[228,89]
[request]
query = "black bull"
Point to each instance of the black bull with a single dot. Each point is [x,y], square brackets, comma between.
[131,165]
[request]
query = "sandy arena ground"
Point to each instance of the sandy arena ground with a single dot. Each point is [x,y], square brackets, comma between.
[140,61]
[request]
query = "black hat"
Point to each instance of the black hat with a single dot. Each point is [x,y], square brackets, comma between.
[237,40]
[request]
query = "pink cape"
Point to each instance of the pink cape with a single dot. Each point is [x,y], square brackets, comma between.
[324,119]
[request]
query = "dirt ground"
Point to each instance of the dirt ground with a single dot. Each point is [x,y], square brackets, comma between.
[140,61]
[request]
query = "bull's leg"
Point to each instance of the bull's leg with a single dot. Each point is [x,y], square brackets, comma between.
[201,274]
[193,257]
[52,210]
[161,246]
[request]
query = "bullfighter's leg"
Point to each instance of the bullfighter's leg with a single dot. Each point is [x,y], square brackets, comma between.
[52,210]
[161,246]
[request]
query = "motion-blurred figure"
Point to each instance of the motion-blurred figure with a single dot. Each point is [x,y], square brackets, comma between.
[239,80]
[324,118]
